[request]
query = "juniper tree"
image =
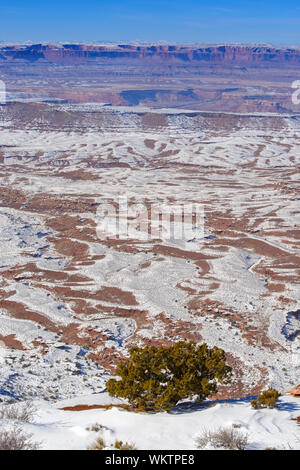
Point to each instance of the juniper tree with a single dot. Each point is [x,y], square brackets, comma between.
[158,377]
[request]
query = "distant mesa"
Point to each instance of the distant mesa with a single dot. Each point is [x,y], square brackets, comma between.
[224,78]
[243,55]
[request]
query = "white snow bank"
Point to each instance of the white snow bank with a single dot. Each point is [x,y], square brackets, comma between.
[58,429]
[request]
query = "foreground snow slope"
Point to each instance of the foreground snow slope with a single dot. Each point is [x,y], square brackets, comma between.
[59,429]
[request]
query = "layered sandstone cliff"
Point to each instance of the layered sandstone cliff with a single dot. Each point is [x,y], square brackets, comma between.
[243,55]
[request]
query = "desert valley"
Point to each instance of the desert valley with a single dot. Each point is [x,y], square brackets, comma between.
[214,126]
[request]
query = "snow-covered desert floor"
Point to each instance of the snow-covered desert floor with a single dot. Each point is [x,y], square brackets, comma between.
[73,303]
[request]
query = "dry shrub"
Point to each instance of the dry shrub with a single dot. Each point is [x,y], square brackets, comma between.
[18,412]
[14,438]
[99,444]
[226,438]
[96,427]
[120,445]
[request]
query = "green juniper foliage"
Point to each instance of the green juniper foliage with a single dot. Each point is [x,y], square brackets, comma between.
[156,378]
[266,399]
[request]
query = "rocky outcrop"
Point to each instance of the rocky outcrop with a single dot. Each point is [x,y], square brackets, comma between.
[295,391]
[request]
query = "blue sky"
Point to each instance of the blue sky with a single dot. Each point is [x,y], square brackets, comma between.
[275,21]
